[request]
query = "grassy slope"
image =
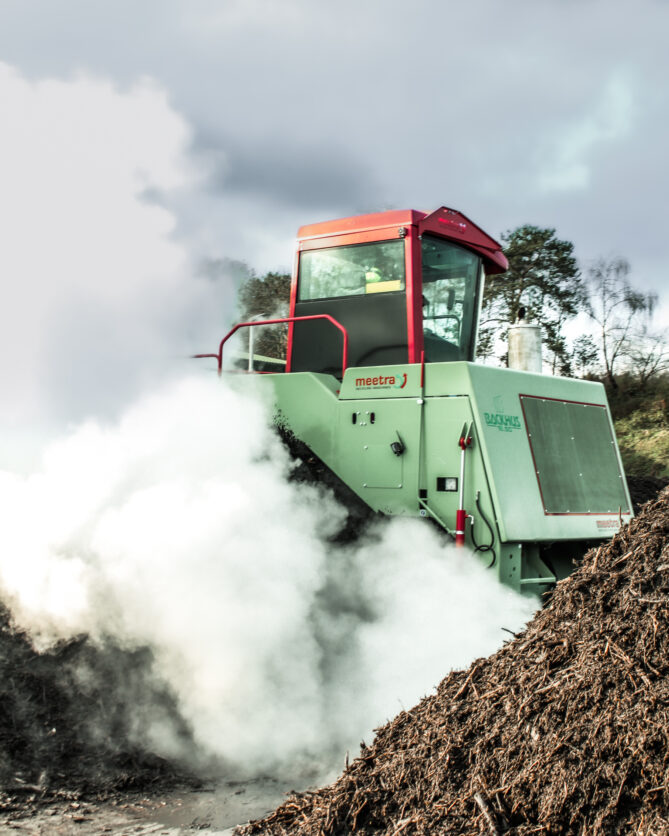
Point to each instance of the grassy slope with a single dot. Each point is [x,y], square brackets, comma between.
[642,425]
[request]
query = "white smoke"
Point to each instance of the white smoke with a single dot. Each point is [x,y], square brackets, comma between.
[98,299]
[170,523]
[176,528]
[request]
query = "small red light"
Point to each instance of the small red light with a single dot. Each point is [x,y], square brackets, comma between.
[458,225]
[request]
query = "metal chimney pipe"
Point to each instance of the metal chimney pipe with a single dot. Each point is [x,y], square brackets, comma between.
[525,347]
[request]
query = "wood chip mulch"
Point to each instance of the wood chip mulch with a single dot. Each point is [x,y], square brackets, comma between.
[565,730]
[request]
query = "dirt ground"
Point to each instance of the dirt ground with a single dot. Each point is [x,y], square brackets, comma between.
[212,809]
[72,759]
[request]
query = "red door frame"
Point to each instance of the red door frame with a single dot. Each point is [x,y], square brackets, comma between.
[387,226]
[413,283]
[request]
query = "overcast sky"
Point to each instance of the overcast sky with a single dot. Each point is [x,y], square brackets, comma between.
[546,111]
[244,120]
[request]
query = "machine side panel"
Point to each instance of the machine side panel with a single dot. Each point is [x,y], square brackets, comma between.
[378,452]
[443,424]
[307,404]
[506,452]
[511,466]
[354,437]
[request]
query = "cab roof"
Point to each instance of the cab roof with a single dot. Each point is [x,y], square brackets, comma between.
[444,222]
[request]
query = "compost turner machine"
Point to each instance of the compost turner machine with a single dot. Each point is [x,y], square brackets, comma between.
[379,381]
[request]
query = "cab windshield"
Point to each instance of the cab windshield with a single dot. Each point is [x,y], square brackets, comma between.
[355,270]
[451,280]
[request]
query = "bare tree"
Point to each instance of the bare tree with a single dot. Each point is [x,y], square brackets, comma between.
[648,354]
[618,309]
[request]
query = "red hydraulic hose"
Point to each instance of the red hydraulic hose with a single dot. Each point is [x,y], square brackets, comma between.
[461,515]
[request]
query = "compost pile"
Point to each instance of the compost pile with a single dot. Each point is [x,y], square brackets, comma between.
[645,488]
[565,730]
[73,720]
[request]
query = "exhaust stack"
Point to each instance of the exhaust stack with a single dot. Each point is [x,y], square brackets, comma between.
[525,347]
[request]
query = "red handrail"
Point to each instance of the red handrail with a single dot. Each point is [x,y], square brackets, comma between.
[289,319]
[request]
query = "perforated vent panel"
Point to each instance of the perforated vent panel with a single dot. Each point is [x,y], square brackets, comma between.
[574,457]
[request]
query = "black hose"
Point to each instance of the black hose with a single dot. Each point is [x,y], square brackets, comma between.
[485,547]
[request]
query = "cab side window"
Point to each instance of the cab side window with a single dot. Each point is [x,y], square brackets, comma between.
[450,299]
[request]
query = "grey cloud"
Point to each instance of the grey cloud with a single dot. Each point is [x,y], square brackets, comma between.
[320,109]
[290,173]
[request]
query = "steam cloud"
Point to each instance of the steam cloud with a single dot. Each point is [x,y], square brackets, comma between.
[166,519]
[99,298]
[176,528]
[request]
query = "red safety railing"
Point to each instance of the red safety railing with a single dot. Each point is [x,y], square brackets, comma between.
[282,320]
